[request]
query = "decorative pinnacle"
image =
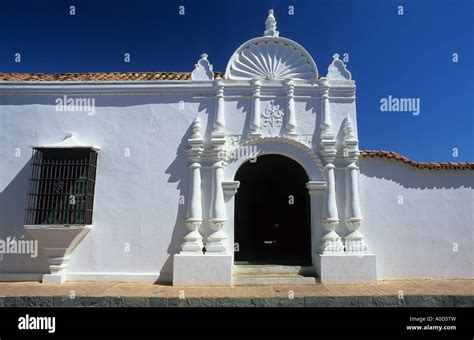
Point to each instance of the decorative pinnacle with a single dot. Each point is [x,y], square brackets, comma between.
[204,56]
[270,25]
[348,129]
[335,56]
[196,128]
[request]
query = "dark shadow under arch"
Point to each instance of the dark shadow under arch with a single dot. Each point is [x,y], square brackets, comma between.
[272,212]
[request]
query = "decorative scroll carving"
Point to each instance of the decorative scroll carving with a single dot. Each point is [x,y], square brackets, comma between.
[272,116]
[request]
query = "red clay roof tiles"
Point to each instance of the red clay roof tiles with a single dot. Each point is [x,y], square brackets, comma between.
[419,165]
[99,76]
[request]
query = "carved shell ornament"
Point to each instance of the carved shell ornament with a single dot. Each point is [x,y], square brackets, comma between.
[271,57]
[271,60]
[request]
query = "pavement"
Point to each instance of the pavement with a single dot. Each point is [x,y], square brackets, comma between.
[410,293]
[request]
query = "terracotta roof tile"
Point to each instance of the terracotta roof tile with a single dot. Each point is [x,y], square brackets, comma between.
[418,165]
[99,76]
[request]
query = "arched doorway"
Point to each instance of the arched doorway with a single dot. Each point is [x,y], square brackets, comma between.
[272,213]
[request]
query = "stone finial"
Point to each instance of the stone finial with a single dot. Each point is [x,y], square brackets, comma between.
[270,25]
[197,128]
[337,70]
[203,69]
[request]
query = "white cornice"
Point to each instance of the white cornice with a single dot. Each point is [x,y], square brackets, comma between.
[344,89]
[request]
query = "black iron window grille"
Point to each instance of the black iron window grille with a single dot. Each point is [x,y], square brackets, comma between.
[61,187]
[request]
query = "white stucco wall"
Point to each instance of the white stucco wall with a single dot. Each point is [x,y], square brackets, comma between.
[138,222]
[136,204]
[419,223]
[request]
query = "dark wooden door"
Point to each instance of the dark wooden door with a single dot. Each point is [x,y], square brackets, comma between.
[272,217]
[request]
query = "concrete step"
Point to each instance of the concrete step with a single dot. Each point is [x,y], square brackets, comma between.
[268,280]
[260,275]
[273,269]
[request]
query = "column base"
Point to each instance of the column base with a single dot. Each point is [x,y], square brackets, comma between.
[346,268]
[331,243]
[217,242]
[192,243]
[55,279]
[202,270]
[355,244]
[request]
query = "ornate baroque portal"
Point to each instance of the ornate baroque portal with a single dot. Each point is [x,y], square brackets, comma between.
[297,116]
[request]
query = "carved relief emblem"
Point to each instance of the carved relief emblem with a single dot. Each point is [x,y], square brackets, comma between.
[272,116]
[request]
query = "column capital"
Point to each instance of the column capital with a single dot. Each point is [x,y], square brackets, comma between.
[352,165]
[219,82]
[219,164]
[316,188]
[230,188]
[256,84]
[194,164]
[329,166]
[290,87]
[323,83]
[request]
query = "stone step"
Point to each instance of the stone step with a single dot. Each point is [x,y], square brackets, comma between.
[272,269]
[263,275]
[268,280]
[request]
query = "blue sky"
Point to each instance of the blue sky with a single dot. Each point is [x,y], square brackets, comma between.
[405,56]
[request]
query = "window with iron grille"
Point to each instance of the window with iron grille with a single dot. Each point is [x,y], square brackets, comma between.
[61,187]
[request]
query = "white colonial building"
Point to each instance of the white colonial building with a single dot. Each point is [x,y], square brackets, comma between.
[253,176]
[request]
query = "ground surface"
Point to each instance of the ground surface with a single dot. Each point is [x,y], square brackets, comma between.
[422,293]
[420,287]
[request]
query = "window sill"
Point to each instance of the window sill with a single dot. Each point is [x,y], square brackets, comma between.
[57,226]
